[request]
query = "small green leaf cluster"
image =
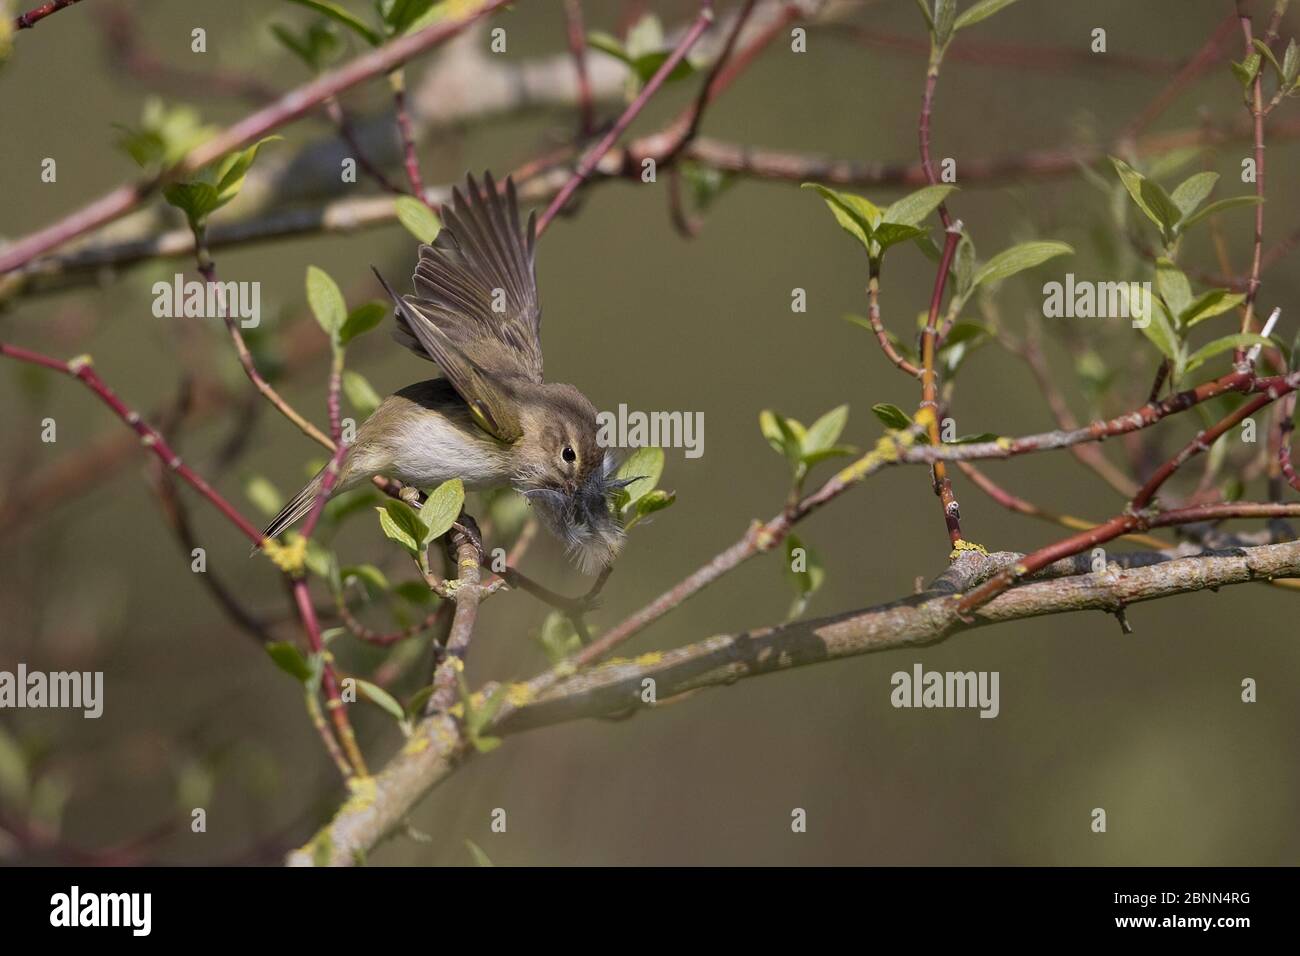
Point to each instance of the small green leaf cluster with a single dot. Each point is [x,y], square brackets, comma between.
[804,447]
[644,52]
[1174,213]
[641,497]
[395,17]
[213,186]
[416,531]
[943,21]
[1176,311]
[558,638]
[327,304]
[1286,72]
[805,572]
[879,229]
[165,135]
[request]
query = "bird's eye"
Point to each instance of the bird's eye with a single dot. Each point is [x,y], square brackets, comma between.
[569,454]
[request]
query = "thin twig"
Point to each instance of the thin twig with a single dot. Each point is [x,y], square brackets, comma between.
[25,21]
[286,109]
[593,157]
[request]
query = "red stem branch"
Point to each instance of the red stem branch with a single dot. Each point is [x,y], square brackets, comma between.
[588,163]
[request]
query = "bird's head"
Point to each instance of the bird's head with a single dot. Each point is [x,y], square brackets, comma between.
[565,474]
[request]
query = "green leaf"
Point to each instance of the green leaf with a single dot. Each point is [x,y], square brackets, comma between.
[263,495]
[1168,215]
[1290,63]
[1245,70]
[165,135]
[1159,330]
[912,209]
[289,659]
[652,501]
[644,36]
[963,333]
[645,464]
[1017,259]
[649,503]
[893,416]
[360,395]
[962,339]
[1218,346]
[315,48]
[441,509]
[196,200]
[824,454]
[974,439]
[605,43]
[229,172]
[857,215]
[381,698]
[1267,53]
[475,851]
[419,220]
[645,52]
[707,183]
[402,14]
[1222,205]
[401,524]
[213,186]
[444,10]
[945,16]
[892,233]
[824,432]
[781,435]
[805,572]
[963,265]
[925,12]
[1166,164]
[648,65]
[326,301]
[1148,196]
[980,11]
[341,15]
[416,702]
[558,637]
[1173,286]
[1209,304]
[478,718]
[362,319]
[809,579]
[1193,191]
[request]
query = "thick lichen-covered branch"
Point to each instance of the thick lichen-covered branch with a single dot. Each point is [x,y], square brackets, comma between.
[620,686]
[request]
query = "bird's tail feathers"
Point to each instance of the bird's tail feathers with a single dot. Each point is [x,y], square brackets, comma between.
[295,510]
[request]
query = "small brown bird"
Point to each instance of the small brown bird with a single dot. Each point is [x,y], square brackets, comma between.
[490,419]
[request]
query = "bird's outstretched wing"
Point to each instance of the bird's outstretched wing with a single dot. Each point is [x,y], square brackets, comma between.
[475,310]
[491,399]
[477,282]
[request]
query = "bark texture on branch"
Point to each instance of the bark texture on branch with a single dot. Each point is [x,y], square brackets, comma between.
[380,804]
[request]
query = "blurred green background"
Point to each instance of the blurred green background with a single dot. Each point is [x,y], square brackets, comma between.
[1149,725]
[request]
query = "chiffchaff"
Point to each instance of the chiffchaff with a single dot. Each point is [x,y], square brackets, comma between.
[489,419]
